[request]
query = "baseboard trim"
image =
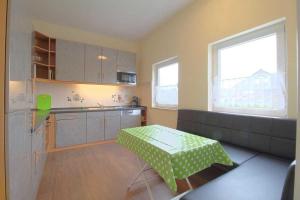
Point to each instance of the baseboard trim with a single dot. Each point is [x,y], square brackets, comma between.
[81,146]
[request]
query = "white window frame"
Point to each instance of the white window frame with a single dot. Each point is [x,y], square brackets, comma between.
[155,68]
[278,27]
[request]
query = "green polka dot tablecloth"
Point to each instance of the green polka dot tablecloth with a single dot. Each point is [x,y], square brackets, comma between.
[171,153]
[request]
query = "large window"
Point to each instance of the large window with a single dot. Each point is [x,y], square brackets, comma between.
[165,84]
[248,73]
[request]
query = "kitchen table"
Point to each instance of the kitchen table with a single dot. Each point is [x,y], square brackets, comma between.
[171,153]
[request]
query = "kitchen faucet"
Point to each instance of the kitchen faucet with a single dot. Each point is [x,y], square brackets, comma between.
[100,105]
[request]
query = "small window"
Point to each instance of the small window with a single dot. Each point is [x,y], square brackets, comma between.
[248,73]
[165,84]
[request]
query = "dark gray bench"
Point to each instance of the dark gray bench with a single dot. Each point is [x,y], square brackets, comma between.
[261,148]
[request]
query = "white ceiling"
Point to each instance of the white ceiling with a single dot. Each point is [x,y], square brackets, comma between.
[128,19]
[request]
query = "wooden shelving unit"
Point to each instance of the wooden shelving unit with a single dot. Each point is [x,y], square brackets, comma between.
[43,56]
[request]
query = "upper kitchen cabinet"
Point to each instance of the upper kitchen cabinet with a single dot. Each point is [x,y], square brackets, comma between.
[109,66]
[92,64]
[69,61]
[126,61]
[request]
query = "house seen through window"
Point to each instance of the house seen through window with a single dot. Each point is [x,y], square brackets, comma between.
[249,73]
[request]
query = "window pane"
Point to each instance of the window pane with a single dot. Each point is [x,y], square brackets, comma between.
[248,79]
[167,95]
[165,89]
[168,75]
[244,60]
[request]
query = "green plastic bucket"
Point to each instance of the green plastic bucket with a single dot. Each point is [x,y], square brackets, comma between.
[43,102]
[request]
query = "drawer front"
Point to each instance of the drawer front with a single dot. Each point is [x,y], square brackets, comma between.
[112,113]
[95,114]
[70,116]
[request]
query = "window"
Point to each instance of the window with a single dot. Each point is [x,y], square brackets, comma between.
[248,73]
[165,84]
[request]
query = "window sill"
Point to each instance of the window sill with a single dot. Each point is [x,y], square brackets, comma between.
[165,108]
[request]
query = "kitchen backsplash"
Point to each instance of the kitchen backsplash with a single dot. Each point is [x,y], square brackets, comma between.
[81,95]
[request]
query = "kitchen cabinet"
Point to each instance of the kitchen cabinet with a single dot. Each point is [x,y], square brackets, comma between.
[95,126]
[18,150]
[130,118]
[77,62]
[109,66]
[69,61]
[70,129]
[39,156]
[112,124]
[92,65]
[89,127]
[126,61]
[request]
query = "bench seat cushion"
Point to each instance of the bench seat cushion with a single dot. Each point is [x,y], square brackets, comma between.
[237,154]
[260,178]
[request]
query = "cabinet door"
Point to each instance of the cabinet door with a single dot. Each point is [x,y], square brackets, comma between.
[95,126]
[130,119]
[126,61]
[38,157]
[69,61]
[109,66]
[92,65]
[18,149]
[71,131]
[112,124]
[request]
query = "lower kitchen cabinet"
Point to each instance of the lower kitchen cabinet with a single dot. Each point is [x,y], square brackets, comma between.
[81,128]
[70,129]
[39,156]
[94,126]
[130,118]
[112,124]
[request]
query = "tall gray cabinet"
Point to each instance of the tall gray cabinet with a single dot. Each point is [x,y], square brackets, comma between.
[39,156]
[19,157]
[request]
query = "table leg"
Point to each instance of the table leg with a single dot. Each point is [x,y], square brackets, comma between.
[146,183]
[137,176]
[189,184]
[141,173]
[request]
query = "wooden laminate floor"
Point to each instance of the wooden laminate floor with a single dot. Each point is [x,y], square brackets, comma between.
[102,172]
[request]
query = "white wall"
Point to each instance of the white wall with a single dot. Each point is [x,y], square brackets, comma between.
[188,34]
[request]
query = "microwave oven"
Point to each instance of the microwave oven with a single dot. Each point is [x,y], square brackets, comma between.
[126,77]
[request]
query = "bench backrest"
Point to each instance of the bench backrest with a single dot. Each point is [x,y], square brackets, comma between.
[276,136]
